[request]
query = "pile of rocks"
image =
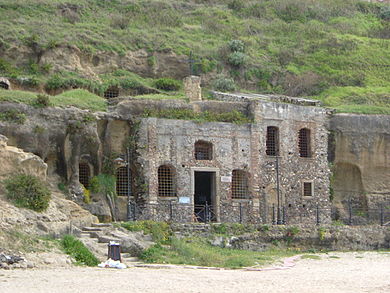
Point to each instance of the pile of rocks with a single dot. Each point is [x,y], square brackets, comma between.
[9,261]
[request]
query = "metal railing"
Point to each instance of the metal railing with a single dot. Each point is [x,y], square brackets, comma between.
[243,213]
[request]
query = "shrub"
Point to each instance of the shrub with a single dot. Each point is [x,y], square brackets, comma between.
[28,191]
[78,251]
[167,84]
[43,100]
[237,59]
[236,46]
[224,84]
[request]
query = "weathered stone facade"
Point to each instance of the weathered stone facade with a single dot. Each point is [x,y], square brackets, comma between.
[240,147]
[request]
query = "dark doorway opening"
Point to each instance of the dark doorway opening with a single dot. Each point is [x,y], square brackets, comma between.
[3,85]
[204,197]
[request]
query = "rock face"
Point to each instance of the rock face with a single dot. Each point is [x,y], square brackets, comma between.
[14,160]
[60,214]
[361,157]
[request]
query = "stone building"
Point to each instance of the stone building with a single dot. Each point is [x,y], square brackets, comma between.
[241,172]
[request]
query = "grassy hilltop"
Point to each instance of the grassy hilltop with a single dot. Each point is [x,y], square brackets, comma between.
[334,50]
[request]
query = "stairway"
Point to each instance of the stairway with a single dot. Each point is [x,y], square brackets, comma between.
[96,238]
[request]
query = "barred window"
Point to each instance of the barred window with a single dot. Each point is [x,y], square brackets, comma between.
[122,181]
[240,184]
[203,150]
[84,174]
[272,142]
[307,189]
[111,92]
[166,181]
[304,143]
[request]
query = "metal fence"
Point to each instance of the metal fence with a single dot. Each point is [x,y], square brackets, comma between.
[244,213]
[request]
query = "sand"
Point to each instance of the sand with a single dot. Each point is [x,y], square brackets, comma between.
[334,272]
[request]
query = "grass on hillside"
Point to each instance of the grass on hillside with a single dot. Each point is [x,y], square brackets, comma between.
[79,98]
[293,47]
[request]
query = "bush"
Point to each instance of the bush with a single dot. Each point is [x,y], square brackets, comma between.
[28,191]
[224,84]
[78,251]
[237,59]
[43,100]
[236,46]
[167,84]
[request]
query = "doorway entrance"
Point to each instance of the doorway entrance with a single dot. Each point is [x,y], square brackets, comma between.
[204,196]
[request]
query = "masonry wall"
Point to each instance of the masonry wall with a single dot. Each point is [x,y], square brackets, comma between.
[171,142]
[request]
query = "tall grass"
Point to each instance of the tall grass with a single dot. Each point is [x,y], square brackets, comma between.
[78,251]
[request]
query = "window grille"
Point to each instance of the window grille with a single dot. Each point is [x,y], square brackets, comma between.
[304,143]
[122,181]
[272,143]
[307,189]
[112,92]
[203,150]
[84,174]
[166,184]
[240,184]
[3,85]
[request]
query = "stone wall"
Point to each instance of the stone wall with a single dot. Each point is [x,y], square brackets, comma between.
[243,147]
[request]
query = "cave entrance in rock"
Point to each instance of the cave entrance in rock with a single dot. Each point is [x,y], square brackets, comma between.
[3,85]
[205,196]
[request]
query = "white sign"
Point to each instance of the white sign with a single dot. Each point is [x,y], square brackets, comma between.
[184,199]
[226,179]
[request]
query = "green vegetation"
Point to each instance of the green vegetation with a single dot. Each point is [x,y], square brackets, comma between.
[28,191]
[187,114]
[294,47]
[235,228]
[14,116]
[78,251]
[160,231]
[167,84]
[82,99]
[197,251]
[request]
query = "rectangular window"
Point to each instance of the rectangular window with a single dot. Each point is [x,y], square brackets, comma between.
[307,189]
[272,142]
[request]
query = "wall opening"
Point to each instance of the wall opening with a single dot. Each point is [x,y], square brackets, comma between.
[84,174]
[166,181]
[272,142]
[304,143]
[203,150]
[204,194]
[3,85]
[111,92]
[240,188]
[122,181]
[307,189]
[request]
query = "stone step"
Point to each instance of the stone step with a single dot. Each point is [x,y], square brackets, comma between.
[92,229]
[107,239]
[100,225]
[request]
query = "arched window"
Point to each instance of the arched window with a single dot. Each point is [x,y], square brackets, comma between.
[122,181]
[272,142]
[304,143]
[111,92]
[84,174]
[203,150]
[4,85]
[166,181]
[240,184]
